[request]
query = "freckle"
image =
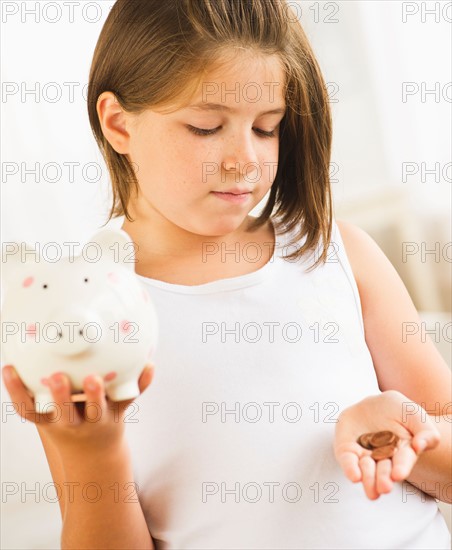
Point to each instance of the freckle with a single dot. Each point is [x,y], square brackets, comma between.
[110,376]
[31,329]
[28,281]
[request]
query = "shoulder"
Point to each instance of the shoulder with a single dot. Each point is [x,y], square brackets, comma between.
[363,252]
[377,279]
[350,231]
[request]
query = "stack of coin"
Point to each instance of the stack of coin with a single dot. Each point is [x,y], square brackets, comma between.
[382,444]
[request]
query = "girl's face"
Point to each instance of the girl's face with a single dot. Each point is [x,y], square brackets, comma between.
[226,139]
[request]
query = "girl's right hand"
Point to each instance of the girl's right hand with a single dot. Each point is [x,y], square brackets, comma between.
[96,424]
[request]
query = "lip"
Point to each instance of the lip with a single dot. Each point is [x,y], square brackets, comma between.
[235,198]
[235,191]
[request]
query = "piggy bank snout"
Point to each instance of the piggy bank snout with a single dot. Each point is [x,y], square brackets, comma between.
[73,331]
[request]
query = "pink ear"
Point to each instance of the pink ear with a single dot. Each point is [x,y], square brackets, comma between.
[125,326]
[27,282]
[113,277]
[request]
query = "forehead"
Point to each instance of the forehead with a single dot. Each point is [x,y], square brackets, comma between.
[241,78]
[238,80]
[243,64]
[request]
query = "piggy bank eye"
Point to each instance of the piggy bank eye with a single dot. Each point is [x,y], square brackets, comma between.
[44,286]
[86,280]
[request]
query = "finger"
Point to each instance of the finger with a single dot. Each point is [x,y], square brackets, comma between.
[421,425]
[426,440]
[403,461]
[146,377]
[21,400]
[349,462]
[368,469]
[347,451]
[64,410]
[96,408]
[384,483]
[144,381]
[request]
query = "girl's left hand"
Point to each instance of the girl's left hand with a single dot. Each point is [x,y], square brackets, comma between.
[390,410]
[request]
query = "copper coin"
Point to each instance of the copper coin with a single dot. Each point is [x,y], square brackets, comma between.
[383,452]
[364,440]
[381,439]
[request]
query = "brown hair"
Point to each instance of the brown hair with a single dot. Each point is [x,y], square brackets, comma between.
[147,55]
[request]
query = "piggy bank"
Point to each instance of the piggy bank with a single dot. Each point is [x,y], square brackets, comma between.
[80,315]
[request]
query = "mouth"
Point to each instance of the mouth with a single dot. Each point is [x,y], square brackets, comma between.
[231,193]
[236,198]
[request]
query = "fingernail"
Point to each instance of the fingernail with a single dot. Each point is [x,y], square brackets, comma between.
[421,445]
[57,381]
[91,384]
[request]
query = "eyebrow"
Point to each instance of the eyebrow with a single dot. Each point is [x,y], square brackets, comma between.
[219,107]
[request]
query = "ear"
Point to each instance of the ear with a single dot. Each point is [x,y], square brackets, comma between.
[112,118]
[117,246]
[16,255]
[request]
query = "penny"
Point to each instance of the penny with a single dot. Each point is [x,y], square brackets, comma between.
[364,440]
[381,439]
[387,451]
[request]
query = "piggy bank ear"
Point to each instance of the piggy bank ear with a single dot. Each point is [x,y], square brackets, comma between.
[15,256]
[117,246]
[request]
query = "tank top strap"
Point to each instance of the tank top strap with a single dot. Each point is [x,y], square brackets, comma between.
[338,251]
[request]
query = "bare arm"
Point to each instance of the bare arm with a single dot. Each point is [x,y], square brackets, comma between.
[101,504]
[432,473]
[55,465]
[90,465]
[411,365]
[116,520]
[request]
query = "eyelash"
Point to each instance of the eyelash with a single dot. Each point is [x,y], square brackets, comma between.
[201,132]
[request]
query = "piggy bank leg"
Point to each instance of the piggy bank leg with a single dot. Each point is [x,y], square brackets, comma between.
[44,402]
[121,392]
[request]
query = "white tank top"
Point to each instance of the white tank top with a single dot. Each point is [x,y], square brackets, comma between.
[232,444]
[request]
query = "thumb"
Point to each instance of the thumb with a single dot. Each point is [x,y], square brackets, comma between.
[143,382]
[426,439]
[421,425]
[146,377]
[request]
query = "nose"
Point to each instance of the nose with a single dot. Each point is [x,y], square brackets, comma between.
[71,331]
[240,155]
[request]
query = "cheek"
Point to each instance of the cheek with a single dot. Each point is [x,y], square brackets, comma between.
[192,174]
[270,165]
[176,168]
[262,177]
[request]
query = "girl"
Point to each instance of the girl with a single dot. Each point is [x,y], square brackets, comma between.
[280,334]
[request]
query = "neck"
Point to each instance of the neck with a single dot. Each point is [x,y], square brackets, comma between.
[161,243]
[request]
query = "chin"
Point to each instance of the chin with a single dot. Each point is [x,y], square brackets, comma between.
[220,228]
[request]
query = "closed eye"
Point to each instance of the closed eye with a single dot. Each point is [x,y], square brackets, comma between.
[204,132]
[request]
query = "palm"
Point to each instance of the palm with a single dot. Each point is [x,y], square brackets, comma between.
[387,411]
